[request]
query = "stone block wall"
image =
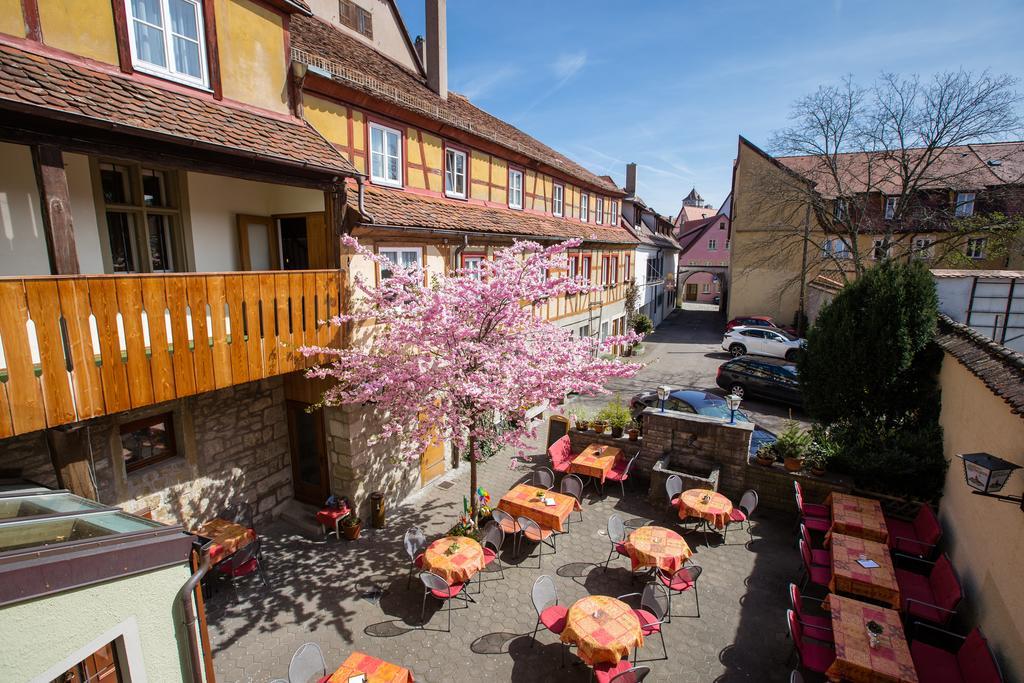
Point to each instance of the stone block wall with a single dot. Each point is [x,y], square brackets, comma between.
[27,457]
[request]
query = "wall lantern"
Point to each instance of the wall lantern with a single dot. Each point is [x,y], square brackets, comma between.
[733,401]
[663,391]
[987,474]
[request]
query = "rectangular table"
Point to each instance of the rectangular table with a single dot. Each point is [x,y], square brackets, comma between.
[595,461]
[856,516]
[522,501]
[227,537]
[856,660]
[376,670]
[848,576]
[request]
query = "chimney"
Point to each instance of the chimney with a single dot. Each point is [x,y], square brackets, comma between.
[631,178]
[437,47]
[421,46]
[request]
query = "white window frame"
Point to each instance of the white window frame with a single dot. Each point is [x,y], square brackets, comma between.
[923,247]
[168,71]
[587,268]
[964,204]
[398,251]
[572,270]
[518,202]
[599,211]
[613,269]
[471,263]
[450,154]
[615,213]
[890,207]
[707,288]
[584,207]
[976,247]
[384,180]
[558,200]
[712,245]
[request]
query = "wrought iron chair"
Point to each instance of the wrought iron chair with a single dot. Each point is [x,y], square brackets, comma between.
[307,664]
[819,628]
[509,526]
[620,673]
[243,562]
[534,533]
[573,486]
[621,474]
[543,478]
[443,591]
[617,537]
[653,612]
[549,612]
[415,541]
[492,540]
[742,512]
[680,581]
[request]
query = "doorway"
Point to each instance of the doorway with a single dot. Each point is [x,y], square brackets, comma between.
[310,480]
[691,292]
[285,242]
[432,462]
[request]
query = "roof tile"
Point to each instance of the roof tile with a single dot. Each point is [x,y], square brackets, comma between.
[1000,368]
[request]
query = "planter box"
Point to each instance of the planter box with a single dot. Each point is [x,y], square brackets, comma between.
[696,474]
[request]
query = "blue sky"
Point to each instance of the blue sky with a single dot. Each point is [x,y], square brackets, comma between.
[670,84]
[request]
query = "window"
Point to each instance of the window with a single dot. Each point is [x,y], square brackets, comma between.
[976,247]
[964,204]
[573,268]
[471,264]
[604,330]
[148,441]
[406,257]
[727,242]
[599,211]
[166,39]
[585,331]
[839,210]
[880,250]
[356,18]
[557,199]
[385,155]
[615,214]
[455,173]
[712,245]
[923,248]
[707,287]
[143,220]
[890,207]
[515,189]
[614,270]
[605,270]
[585,268]
[584,207]
[626,272]
[102,666]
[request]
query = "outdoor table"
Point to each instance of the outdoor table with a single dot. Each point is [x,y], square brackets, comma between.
[227,537]
[596,460]
[331,517]
[856,660]
[607,637]
[376,670]
[715,511]
[856,516]
[848,576]
[454,566]
[522,501]
[658,547]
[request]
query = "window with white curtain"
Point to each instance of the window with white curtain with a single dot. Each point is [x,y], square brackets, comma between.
[385,155]
[166,39]
[515,189]
[557,199]
[455,173]
[407,257]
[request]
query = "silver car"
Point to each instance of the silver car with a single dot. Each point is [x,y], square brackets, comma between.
[762,341]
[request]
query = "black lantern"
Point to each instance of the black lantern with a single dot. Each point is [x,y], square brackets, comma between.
[987,474]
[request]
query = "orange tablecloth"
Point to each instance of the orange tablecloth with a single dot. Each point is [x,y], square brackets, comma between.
[655,546]
[606,638]
[848,576]
[459,566]
[856,516]
[595,461]
[716,510]
[856,660]
[376,670]
[227,537]
[522,501]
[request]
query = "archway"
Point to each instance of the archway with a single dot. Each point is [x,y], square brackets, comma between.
[702,287]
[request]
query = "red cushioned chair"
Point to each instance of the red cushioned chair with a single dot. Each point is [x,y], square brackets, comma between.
[617,537]
[620,472]
[812,655]
[561,455]
[820,557]
[243,562]
[919,538]
[653,613]
[742,512]
[818,575]
[415,541]
[972,663]
[934,597]
[819,628]
[620,673]
[812,515]
[443,591]
[682,580]
[491,541]
[549,612]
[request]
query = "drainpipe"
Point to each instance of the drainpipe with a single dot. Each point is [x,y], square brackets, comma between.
[190,618]
[458,252]
[362,199]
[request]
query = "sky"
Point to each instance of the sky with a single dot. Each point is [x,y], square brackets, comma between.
[670,84]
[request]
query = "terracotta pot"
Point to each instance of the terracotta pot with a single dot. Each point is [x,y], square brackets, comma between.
[794,464]
[582,426]
[767,462]
[634,434]
[599,427]
[351,532]
[818,471]
[616,432]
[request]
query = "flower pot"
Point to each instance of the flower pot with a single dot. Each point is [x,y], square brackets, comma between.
[582,426]
[616,432]
[599,427]
[793,464]
[818,471]
[765,461]
[351,532]
[634,434]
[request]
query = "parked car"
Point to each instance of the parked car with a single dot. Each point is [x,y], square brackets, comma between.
[770,378]
[701,403]
[757,321]
[762,341]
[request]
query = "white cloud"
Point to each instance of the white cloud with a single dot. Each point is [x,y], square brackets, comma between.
[568,65]
[480,83]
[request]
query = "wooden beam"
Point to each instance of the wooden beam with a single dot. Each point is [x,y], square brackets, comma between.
[55,202]
[124,50]
[69,451]
[212,50]
[30,12]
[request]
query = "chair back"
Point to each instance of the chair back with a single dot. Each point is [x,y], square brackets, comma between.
[976,657]
[415,541]
[434,582]
[560,450]
[673,486]
[493,536]
[501,516]
[239,514]
[795,677]
[794,599]
[633,675]
[572,486]
[244,554]
[805,553]
[799,498]
[795,632]
[629,465]
[805,535]
[655,600]
[926,526]
[527,524]
[944,584]
[748,502]
[307,664]
[544,594]
[616,529]
[543,478]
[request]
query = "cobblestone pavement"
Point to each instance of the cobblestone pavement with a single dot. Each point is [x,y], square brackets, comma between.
[349,596]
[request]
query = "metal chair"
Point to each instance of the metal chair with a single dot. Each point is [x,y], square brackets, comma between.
[742,512]
[549,612]
[617,537]
[795,677]
[531,531]
[243,562]
[621,474]
[543,478]
[620,673]
[819,628]
[674,489]
[653,612]
[239,514]
[573,486]
[508,525]
[811,654]
[307,664]
[816,517]
[492,540]
[443,591]
[415,541]
[819,556]
[682,580]
[817,574]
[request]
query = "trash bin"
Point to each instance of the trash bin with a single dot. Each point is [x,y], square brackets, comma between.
[377,509]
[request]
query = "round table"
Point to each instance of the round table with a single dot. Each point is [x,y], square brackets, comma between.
[655,546]
[456,566]
[712,507]
[607,637]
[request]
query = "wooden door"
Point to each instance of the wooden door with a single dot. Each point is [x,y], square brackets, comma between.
[691,292]
[432,462]
[310,478]
[257,243]
[320,243]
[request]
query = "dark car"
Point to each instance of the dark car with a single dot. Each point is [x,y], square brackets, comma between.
[757,321]
[771,378]
[701,403]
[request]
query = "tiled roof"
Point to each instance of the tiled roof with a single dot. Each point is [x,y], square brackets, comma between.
[691,231]
[1001,369]
[359,66]
[45,85]
[692,213]
[409,210]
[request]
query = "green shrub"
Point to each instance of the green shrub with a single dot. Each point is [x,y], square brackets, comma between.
[642,324]
[793,442]
[616,414]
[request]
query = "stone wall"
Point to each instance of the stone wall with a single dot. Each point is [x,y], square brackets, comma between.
[27,457]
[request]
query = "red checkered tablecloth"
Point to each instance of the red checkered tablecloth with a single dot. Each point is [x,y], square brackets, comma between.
[856,516]
[655,546]
[458,566]
[715,511]
[848,576]
[376,670]
[595,460]
[227,537]
[856,660]
[523,501]
[607,637]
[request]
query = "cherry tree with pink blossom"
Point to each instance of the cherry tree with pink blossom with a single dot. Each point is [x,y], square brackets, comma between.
[448,355]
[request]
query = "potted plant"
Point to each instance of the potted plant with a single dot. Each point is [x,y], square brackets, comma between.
[766,454]
[617,417]
[350,525]
[815,461]
[599,425]
[793,445]
[634,430]
[582,421]
[823,447]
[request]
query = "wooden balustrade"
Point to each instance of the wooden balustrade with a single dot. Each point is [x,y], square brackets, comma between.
[77,347]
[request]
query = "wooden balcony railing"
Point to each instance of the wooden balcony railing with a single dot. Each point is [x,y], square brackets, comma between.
[78,347]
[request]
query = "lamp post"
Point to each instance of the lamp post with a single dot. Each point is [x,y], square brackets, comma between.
[663,391]
[733,401]
[987,474]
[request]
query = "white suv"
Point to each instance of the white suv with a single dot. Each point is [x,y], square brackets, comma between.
[762,341]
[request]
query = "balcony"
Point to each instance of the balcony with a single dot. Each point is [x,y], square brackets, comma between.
[79,347]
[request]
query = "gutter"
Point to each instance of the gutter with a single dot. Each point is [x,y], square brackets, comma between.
[190,617]
[487,235]
[458,251]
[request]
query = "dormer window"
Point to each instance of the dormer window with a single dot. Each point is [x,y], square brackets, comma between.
[890,207]
[166,39]
[839,210]
[356,18]
[615,213]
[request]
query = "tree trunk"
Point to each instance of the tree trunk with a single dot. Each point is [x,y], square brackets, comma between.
[472,478]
